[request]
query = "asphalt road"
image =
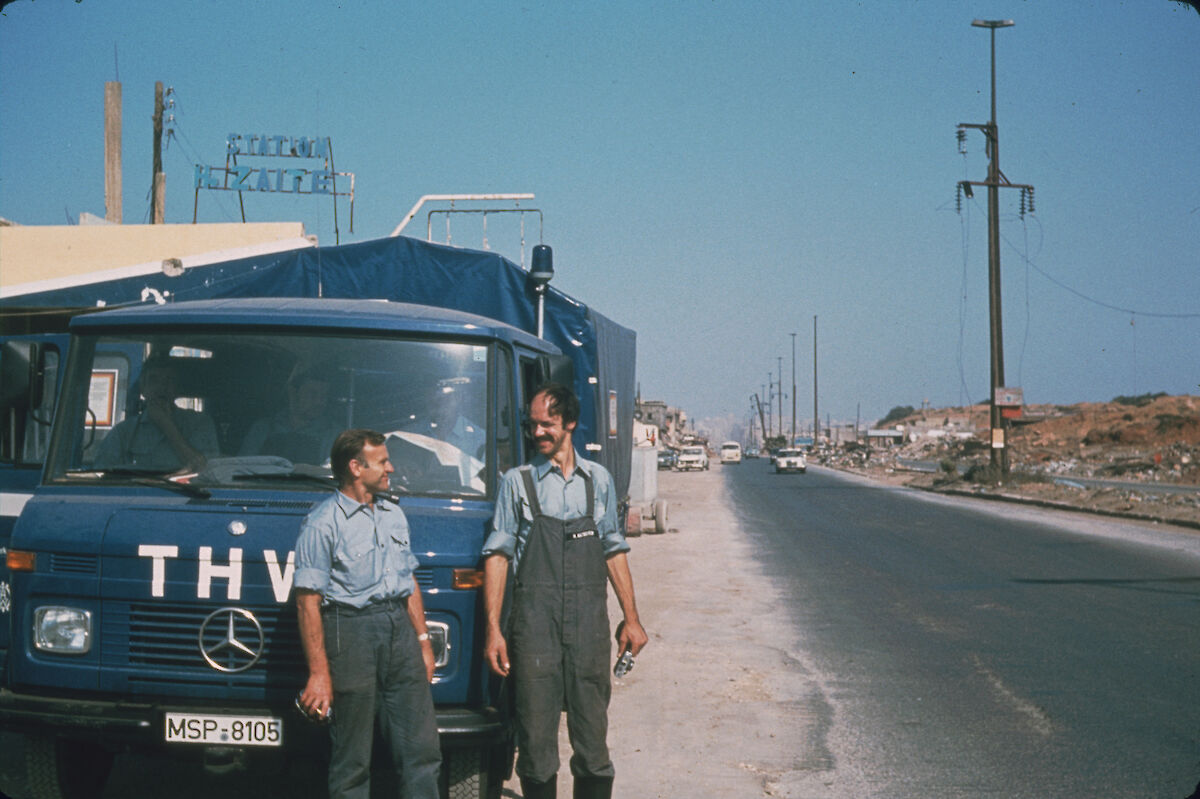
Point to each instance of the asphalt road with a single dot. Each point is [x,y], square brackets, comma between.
[818,635]
[967,652]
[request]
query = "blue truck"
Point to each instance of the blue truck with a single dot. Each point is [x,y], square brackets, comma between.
[151,610]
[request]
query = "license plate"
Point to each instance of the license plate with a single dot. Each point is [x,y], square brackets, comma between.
[198,728]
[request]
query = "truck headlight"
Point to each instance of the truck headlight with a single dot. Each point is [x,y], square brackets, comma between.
[62,630]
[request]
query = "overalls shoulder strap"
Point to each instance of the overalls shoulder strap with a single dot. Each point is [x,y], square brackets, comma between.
[535,507]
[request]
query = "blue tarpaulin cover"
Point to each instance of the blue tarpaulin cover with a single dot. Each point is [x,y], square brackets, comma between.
[402,269]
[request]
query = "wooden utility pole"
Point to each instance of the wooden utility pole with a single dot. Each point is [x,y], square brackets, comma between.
[112,152]
[158,207]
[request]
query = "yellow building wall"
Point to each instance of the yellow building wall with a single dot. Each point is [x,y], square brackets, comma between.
[30,253]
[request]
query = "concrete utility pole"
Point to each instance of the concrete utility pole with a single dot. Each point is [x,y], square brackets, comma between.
[159,178]
[816,413]
[769,389]
[793,441]
[112,152]
[780,373]
[995,179]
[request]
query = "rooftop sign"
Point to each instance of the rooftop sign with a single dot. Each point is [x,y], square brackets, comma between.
[233,176]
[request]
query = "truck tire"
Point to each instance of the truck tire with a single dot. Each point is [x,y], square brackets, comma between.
[660,516]
[468,775]
[58,769]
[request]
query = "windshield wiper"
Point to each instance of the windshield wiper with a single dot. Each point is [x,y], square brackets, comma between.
[323,481]
[147,477]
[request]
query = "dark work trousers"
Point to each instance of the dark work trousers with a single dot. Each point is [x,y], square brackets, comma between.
[560,645]
[378,671]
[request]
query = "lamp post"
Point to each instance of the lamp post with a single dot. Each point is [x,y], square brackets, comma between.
[999,448]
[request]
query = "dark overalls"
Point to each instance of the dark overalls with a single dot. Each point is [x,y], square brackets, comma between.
[559,643]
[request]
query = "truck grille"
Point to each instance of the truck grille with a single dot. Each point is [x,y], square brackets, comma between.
[165,637]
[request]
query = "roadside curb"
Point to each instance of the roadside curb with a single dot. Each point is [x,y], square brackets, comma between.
[1039,503]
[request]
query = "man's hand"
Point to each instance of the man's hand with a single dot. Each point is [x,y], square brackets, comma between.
[317,696]
[496,653]
[631,636]
[158,410]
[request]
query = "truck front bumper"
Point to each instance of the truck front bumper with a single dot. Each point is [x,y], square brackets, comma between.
[143,724]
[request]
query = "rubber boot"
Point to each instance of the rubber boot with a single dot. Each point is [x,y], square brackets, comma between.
[593,787]
[532,789]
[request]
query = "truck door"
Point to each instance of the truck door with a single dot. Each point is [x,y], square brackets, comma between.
[29,368]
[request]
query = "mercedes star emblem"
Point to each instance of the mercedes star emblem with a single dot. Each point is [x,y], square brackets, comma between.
[231,639]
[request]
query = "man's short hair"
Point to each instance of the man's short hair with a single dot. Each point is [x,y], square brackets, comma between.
[348,446]
[560,401]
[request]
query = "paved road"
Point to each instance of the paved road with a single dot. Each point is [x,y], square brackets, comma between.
[970,653]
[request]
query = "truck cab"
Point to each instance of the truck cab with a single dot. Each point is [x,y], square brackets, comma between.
[151,593]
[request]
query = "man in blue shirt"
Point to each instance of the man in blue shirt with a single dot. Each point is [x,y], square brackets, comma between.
[555,529]
[362,626]
[303,431]
[159,436]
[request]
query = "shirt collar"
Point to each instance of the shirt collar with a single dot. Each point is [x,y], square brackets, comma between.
[542,466]
[351,506]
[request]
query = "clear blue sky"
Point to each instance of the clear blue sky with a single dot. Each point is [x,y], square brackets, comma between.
[712,174]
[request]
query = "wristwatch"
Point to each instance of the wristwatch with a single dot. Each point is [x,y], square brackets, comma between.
[423,637]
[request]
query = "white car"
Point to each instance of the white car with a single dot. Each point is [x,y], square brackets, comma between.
[692,458]
[790,460]
[731,452]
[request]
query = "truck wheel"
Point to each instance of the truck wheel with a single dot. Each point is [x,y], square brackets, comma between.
[660,516]
[467,774]
[65,769]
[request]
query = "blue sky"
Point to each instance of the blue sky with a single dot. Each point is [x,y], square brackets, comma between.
[711,174]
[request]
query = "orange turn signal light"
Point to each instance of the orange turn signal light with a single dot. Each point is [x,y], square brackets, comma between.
[20,561]
[466,579]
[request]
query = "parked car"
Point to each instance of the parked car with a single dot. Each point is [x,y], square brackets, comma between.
[731,452]
[692,458]
[666,458]
[790,460]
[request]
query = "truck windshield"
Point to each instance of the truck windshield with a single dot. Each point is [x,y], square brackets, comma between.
[232,409]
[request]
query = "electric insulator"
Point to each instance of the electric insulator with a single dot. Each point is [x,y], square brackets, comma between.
[1030,199]
[958,199]
[1022,203]
[961,135]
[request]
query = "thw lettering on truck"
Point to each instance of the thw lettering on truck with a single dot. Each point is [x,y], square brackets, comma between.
[230,571]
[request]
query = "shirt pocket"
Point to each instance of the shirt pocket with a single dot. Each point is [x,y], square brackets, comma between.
[356,559]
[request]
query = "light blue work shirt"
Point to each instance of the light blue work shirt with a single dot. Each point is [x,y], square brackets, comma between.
[353,554]
[560,497]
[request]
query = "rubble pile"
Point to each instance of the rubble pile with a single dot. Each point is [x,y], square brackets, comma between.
[1146,444]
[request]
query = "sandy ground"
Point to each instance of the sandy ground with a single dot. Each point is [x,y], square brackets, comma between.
[720,703]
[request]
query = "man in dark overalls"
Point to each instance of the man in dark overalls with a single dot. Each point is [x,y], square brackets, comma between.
[556,525]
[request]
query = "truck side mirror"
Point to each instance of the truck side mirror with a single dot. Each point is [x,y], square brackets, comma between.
[22,373]
[555,369]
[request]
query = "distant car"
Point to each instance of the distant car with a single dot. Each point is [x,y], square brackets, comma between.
[692,458]
[790,460]
[666,458]
[731,452]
